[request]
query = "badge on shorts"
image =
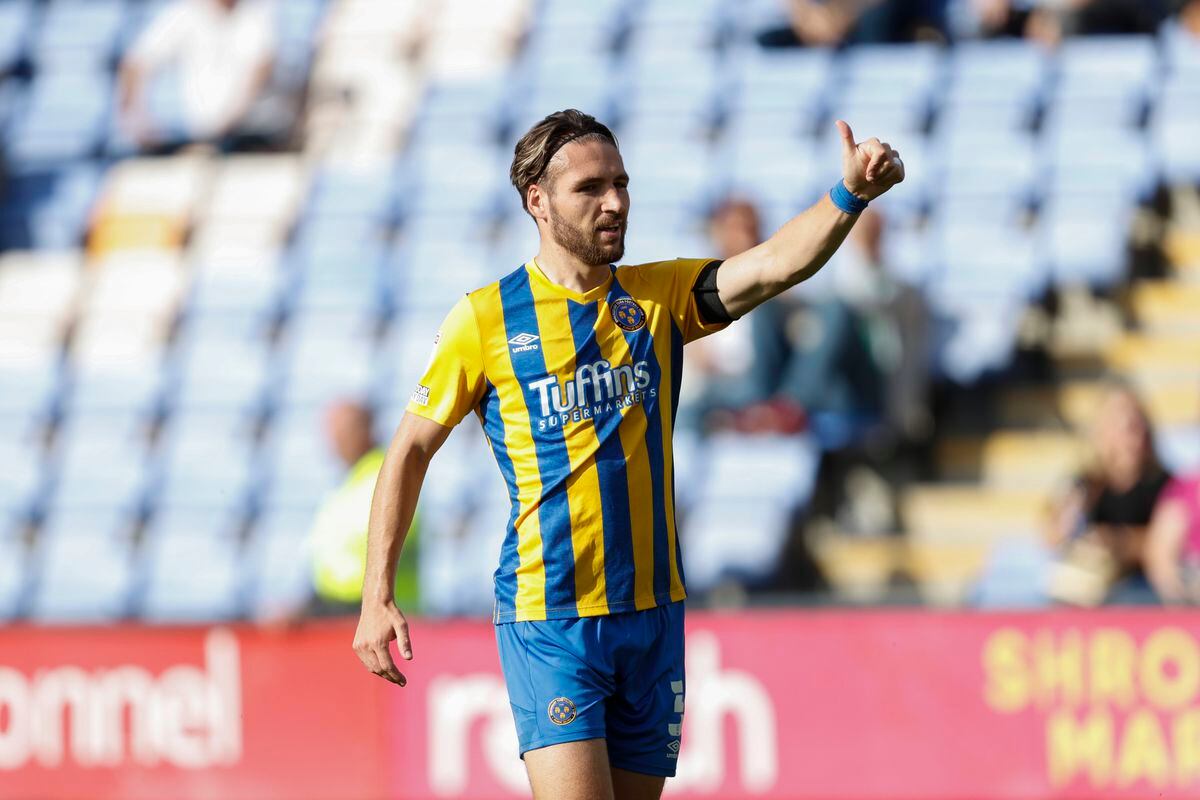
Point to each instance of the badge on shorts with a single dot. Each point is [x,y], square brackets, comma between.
[628,314]
[561,711]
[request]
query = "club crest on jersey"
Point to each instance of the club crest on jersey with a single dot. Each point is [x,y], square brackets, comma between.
[561,711]
[628,315]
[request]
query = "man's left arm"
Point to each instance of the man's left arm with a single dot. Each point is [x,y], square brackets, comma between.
[806,242]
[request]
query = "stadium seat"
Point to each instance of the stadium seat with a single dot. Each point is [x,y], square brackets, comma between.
[266,189]
[200,468]
[15,19]
[301,463]
[1084,247]
[62,118]
[228,373]
[890,75]
[21,477]
[85,569]
[996,72]
[1173,127]
[98,470]
[456,564]
[47,209]
[317,368]
[785,79]
[713,554]
[279,564]
[79,33]
[974,335]
[354,192]
[192,574]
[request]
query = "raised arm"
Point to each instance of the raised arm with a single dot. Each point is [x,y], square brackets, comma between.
[805,243]
[392,509]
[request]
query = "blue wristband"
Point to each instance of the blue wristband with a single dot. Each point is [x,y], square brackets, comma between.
[844,199]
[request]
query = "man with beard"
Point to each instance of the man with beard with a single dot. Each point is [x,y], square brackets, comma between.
[572,366]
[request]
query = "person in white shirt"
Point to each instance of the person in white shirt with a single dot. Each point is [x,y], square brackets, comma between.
[224,54]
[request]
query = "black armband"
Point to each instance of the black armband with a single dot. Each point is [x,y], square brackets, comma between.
[708,301]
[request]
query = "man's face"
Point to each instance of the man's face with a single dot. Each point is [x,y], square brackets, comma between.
[586,201]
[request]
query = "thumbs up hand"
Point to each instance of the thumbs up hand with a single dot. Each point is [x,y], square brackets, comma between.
[869,168]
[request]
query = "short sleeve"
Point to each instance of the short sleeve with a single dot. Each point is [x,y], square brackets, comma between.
[453,382]
[672,282]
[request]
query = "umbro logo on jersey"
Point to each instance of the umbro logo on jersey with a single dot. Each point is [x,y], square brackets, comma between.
[523,342]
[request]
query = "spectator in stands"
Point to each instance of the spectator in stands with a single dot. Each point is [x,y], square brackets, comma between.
[223,52]
[1099,528]
[897,323]
[338,537]
[1051,21]
[830,23]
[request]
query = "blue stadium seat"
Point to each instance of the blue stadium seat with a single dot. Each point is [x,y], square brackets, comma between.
[82,33]
[85,568]
[1173,127]
[302,465]
[456,567]
[902,75]
[21,478]
[784,79]
[62,119]
[219,373]
[996,72]
[14,573]
[279,563]
[47,208]
[365,192]
[974,335]
[15,18]
[198,468]
[986,260]
[712,554]
[193,574]
[1105,81]
[27,389]
[1003,163]
[773,171]
[571,14]
[321,367]
[1106,160]
[432,276]
[1085,246]
[98,471]
[233,295]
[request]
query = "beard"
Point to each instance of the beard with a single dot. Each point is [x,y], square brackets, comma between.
[584,243]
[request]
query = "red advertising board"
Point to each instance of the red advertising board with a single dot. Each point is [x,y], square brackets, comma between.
[1063,706]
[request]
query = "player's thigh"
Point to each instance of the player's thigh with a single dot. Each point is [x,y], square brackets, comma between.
[570,771]
[636,786]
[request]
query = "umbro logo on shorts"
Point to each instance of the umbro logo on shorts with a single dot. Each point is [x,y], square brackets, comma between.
[523,342]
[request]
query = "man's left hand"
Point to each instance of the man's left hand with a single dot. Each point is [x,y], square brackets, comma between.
[869,168]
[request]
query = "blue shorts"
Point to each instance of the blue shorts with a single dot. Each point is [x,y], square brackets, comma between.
[617,677]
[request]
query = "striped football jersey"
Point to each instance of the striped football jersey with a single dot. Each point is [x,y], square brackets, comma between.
[577,395]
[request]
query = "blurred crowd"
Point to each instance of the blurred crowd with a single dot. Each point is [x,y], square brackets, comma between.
[847,22]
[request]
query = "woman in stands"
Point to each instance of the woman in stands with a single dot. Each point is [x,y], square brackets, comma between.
[1101,525]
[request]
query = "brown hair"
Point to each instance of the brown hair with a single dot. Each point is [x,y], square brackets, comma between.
[537,147]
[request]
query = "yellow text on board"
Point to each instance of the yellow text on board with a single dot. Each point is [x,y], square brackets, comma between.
[1118,712]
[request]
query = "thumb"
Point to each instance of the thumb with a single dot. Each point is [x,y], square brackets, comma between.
[848,146]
